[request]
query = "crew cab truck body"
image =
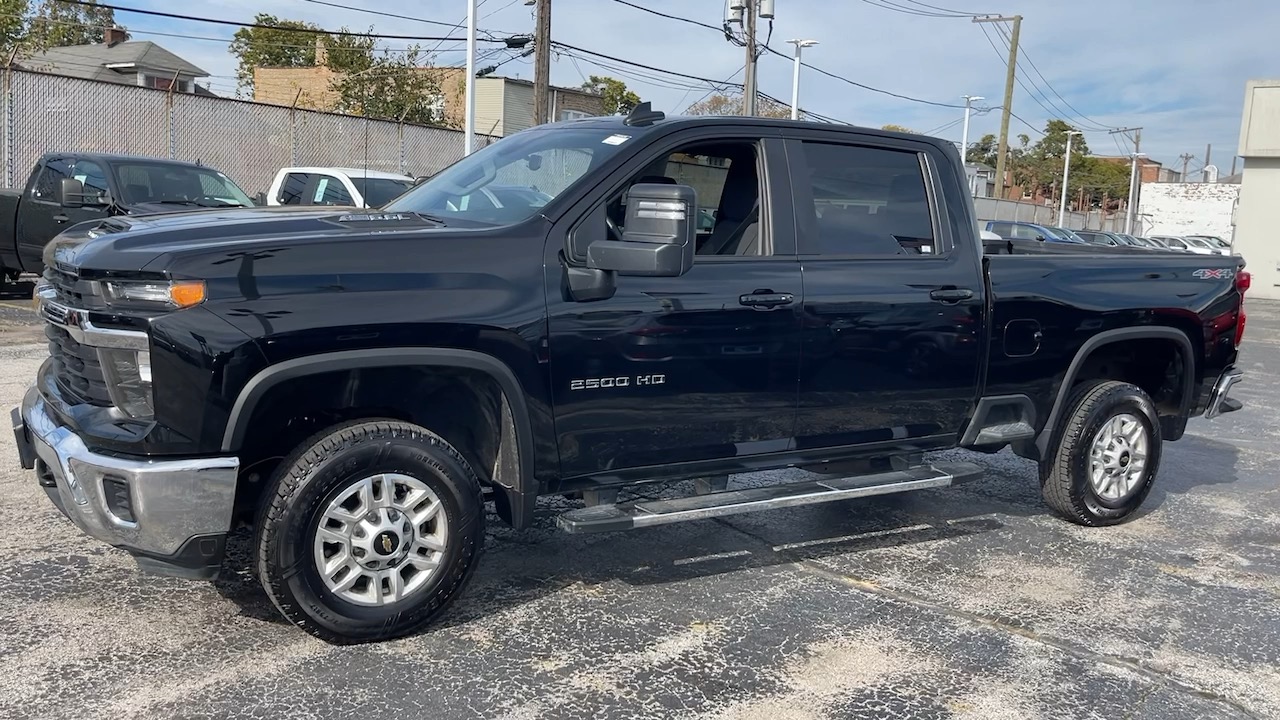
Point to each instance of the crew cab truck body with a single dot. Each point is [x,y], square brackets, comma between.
[354,384]
[69,188]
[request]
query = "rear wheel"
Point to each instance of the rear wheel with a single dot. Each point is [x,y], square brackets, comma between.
[369,531]
[1105,455]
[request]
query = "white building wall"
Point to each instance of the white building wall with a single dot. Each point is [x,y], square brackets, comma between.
[1258,215]
[1187,208]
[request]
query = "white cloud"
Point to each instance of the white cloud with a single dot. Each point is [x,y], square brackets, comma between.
[1175,67]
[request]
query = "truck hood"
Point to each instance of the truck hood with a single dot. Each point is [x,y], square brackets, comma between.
[132,243]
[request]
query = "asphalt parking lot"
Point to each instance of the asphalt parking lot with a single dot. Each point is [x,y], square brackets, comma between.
[972,602]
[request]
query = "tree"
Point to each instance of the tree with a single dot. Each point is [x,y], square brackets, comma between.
[721,104]
[389,87]
[59,24]
[13,24]
[618,100]
[291,43]
[898,128]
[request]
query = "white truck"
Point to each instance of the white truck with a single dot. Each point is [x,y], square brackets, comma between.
[355,187]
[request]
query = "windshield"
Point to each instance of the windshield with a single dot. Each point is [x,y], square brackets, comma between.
[1212,240]
[380,191]
[1063,234]
[178,185]
[509,181]
[1196,242]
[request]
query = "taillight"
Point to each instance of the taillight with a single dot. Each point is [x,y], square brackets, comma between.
[1243,281]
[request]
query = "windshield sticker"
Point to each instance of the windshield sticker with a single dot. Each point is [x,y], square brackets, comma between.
[616,139]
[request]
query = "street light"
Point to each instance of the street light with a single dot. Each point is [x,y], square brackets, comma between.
[795,76]
[964,135]
[469,122]
[1133,191]
[1066,175]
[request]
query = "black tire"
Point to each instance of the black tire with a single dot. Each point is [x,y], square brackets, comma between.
[321,468]
[1065,472]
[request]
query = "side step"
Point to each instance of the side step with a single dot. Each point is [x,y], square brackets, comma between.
[611,518]
[1006,433]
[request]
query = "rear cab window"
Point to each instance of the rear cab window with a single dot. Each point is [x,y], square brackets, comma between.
[293,189]
[867,201]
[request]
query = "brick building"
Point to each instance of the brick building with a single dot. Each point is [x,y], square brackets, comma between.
[503,105]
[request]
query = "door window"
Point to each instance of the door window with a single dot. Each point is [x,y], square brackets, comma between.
[869,201]
[51,176]
[1003,229]
[725,178]
[94,178]
[1025,232]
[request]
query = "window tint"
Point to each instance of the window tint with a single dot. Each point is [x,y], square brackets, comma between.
[51,176]
[380,191]
[1175,242]
[1003,229]
[292,189]
[869,201]
[330,191]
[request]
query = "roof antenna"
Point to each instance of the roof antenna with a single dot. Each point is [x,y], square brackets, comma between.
[643,114]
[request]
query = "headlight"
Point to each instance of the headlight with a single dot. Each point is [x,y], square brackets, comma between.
[128,377]
[157,294]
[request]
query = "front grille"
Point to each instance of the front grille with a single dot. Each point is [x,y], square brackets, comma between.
[71,291]
[76,368]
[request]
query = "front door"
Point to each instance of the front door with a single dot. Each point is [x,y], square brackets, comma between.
[701,367]
[893,303]
[41,216]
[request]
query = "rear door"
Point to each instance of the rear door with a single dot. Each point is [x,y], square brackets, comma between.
[695,368]
[894,296]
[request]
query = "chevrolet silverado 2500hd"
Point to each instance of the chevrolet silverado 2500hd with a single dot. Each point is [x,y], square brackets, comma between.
[354,384]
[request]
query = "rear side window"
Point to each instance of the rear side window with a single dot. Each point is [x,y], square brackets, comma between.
[869,201]
[1025,232]
[293,188]
[51,175]
[1003,229]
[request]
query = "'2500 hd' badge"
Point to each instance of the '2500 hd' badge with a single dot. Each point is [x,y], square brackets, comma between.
[609,383]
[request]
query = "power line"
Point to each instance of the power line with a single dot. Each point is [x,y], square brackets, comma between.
[947,10]
[261,26]
[805,64]
[669,17]
[889,5]
[389,14]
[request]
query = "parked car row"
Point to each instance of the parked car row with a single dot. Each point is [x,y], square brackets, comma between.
[1196,244]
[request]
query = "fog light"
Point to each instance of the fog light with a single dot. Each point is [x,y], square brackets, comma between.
[119,498]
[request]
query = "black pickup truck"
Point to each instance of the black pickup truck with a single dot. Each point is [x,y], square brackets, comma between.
[69,188]
[356,385]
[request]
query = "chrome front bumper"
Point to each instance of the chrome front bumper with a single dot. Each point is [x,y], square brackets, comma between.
[1219,403]
[180,509]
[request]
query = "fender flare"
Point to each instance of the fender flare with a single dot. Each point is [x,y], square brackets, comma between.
[261,383]
[1110,337]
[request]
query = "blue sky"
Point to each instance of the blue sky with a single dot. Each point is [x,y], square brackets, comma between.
[1175,67]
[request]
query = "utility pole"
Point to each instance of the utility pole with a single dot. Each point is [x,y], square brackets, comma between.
[1186,159]
[542,63]
[749,84]
[1133,193]
[1208,153]
[1010,78]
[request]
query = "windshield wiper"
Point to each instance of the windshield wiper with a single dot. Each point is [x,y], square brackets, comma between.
[170,202]
[431,218]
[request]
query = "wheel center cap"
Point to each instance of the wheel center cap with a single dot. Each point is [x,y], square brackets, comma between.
[1124,460]
[386,542]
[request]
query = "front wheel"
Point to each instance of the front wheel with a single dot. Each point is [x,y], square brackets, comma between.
[369,531]
[1105,455]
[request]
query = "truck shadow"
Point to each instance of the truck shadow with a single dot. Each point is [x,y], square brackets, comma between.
[523,567]
[18,290]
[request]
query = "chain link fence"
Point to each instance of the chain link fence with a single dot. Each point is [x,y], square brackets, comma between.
[1014,211]
[247,141]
